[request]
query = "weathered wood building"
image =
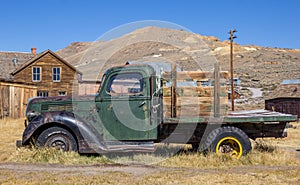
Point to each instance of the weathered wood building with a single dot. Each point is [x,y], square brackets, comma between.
[88,87]
[14,97]
[285,98]
[51,74]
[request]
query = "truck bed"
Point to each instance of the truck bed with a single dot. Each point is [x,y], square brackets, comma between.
[249,116]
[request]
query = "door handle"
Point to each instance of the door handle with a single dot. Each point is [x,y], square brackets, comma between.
[142,104]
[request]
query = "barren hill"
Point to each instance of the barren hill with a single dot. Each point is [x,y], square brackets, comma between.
[256,66]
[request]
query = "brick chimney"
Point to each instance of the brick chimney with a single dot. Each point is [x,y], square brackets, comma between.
[33,51]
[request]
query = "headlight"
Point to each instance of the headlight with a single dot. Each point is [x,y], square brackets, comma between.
[31,114]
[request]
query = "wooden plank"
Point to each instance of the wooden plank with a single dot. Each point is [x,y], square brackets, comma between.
[16,105]
[195,75]
[195,91]
[1,101]
[16,85]
[11,101]
[21,99]
[173,91]
[184,114]
[192,107]
[217,88]
[6,101]
[193,100]
[195,107]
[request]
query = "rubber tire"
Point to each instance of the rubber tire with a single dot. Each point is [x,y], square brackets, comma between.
[58,134]
[218,134]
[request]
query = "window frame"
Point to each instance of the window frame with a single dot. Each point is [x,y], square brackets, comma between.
[42,93]
[62,93]
[57,75]
[33,74]
[114,77]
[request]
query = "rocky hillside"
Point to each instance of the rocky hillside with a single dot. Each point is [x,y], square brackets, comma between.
[257,67]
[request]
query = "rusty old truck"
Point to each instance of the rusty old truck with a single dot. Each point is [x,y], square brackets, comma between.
[139,105]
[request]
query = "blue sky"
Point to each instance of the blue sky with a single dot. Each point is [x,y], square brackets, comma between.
[54,24]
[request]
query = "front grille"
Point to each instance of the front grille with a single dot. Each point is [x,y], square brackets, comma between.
[57,107]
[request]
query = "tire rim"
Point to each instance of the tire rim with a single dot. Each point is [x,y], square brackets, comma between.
[230,145]
[58,143]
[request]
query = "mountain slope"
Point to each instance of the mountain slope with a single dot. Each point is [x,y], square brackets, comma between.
[255,66]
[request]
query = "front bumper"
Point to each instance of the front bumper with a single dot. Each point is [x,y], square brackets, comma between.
[19,143]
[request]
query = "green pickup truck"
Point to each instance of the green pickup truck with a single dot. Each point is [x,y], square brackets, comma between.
[128,114]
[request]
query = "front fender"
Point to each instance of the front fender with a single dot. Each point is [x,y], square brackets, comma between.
[88,138]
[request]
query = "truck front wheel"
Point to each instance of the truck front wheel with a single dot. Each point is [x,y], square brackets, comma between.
[57,138]
[228,140]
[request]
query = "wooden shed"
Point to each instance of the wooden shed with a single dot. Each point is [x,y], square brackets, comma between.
[14,97]
[285,98]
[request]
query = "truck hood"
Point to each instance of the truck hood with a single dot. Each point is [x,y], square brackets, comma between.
[62,98]
[38,105]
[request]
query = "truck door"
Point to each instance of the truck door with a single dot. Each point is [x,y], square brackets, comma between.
[125,107]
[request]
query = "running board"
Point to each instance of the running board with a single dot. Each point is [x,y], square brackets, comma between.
[119,146]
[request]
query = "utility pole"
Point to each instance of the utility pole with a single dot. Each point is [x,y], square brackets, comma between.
[231,32]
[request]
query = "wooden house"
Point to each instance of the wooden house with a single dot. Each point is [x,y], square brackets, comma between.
[285,98]
[51,74]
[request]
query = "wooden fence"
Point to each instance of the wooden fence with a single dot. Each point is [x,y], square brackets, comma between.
[14,98]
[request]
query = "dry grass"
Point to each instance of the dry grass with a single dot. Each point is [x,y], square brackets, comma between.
[266,163]
[292,141]
[164,178]
[11,130]
[277,157]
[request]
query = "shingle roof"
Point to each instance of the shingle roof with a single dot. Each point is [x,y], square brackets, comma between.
[7,62]
[285,91]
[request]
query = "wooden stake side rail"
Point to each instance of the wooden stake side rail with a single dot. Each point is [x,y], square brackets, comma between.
[195,75]
[198,91]
[198,100]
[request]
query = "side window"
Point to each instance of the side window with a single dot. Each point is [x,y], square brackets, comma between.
[42,93]
[56,74]
[125,84]
[62,93]
[36,74]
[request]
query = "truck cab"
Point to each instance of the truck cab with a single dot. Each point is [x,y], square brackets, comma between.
[125,103]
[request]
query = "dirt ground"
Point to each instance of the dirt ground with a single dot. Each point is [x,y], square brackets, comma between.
[13,173]
[135,170]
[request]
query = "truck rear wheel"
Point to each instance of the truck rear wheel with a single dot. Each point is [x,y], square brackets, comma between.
[57,138]
[228,140]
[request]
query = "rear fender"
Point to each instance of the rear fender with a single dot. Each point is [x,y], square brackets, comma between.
[88,138]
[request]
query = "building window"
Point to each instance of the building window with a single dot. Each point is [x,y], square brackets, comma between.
[36,74]
[62,93]
[43,93]
[56,74]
